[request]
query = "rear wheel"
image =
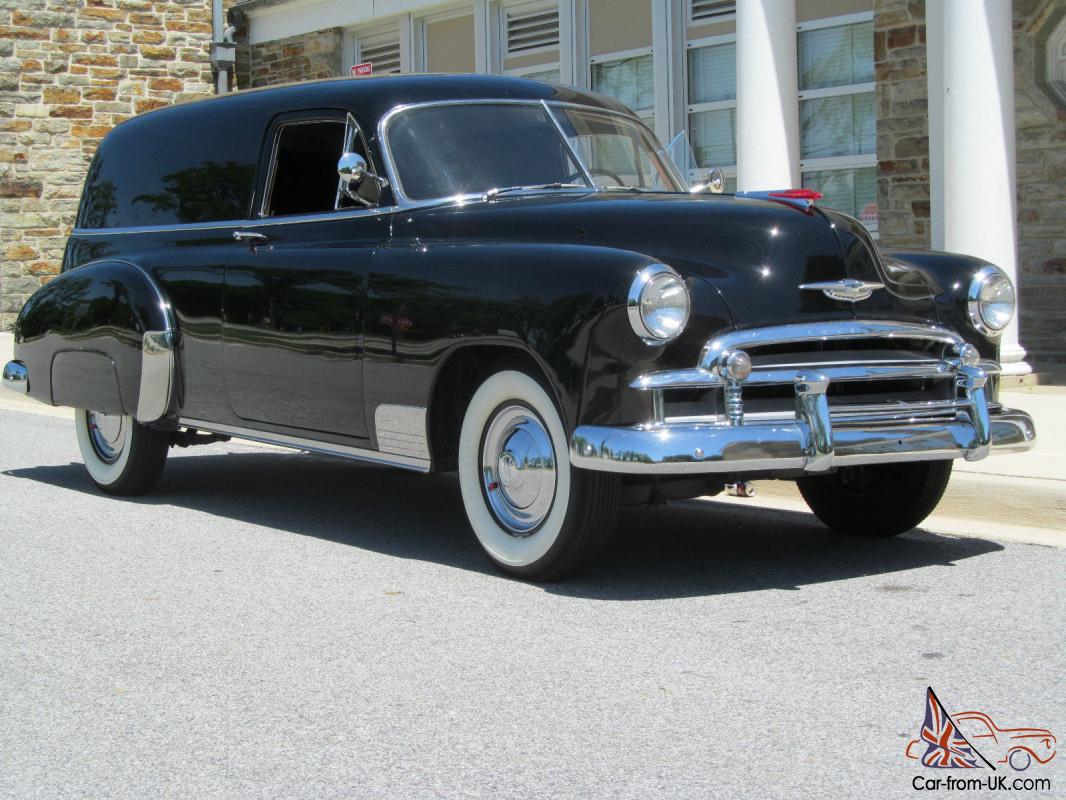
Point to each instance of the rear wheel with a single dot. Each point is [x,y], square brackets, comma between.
[535,516]
[121,456]
[878,499]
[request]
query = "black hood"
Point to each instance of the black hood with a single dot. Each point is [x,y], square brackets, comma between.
[755,253]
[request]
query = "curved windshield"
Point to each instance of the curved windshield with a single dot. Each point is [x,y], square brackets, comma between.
[617,152]
[473,148]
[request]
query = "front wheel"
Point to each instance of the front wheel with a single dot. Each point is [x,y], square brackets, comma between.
[536,516]
[877,500]
[121,456]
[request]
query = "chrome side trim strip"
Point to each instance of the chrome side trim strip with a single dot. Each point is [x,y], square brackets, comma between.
[401,430]
[299,443]
[16,377]
[254,222]
[823,332]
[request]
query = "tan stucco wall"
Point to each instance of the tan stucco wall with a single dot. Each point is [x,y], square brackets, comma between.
[450,45]
[617,25]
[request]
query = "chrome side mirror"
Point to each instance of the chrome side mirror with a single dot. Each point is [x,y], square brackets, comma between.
[352,170]
[713,183]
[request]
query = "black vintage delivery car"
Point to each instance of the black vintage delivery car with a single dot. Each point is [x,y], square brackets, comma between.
[511,280]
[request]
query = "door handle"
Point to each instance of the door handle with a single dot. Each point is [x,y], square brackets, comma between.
[251,237]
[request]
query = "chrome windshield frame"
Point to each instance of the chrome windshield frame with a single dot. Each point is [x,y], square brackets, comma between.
[402,201]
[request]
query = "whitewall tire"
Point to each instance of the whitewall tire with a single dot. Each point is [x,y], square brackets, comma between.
[534,514]
[121,456]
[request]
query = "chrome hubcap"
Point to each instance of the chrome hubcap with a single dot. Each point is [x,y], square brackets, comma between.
[518,470]
[107,432]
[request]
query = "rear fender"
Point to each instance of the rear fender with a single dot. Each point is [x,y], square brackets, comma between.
[101,336]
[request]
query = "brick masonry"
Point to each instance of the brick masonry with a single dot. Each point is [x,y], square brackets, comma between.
[305,57]
[903,159]
[1040,121]
[69,71]
[902,123]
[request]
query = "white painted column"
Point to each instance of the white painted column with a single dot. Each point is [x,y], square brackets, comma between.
[767,96]
[971,107]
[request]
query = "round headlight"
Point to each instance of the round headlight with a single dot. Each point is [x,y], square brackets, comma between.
[991,301]
[658,304]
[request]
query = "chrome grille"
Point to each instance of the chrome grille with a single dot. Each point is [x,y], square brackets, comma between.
[876,369]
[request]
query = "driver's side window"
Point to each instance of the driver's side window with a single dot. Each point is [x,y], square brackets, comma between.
[303,172]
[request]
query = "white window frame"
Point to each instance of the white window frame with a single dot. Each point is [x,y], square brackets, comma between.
[832,163]
[728,170]
[622,55]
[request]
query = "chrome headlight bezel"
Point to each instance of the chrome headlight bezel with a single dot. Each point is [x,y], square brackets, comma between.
[650,279]
[976,306]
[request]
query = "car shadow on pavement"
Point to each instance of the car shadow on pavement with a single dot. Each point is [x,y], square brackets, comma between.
[690,548]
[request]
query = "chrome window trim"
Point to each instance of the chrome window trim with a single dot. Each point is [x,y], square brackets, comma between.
[404,202]
[272,165]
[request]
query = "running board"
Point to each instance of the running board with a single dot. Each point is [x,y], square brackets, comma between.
[324,448]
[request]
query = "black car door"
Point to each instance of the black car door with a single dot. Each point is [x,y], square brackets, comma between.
[295,285]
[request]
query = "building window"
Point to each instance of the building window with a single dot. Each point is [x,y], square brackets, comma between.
[380,48]
[704,11]
[712,105]
[549,73]
[527,28]
[527,39]
[838,118]
[628,78]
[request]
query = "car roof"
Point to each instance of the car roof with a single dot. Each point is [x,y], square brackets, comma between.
[373,97]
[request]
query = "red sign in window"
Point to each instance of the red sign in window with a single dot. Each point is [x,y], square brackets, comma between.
[359,70]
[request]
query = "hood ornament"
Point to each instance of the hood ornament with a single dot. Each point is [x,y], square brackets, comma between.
[847,290]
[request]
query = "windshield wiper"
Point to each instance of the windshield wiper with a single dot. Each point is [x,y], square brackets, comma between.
[492,194]
[633,189]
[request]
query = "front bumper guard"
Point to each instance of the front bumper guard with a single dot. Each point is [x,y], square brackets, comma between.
[809,442]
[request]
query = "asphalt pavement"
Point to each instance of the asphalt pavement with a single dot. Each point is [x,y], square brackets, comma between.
[280,625]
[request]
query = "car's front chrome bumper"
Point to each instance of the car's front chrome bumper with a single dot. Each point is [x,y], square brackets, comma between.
[814,437]
[695,448]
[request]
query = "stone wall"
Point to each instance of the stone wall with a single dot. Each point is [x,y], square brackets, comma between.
[1041,158]
[69,71]
[903,159]
[305,57]
[902,123]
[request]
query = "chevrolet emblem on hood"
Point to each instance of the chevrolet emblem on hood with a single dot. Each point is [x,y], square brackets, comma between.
[848,290]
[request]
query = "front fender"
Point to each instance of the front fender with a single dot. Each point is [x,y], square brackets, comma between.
[428,300]
[948,276]
[100,336]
